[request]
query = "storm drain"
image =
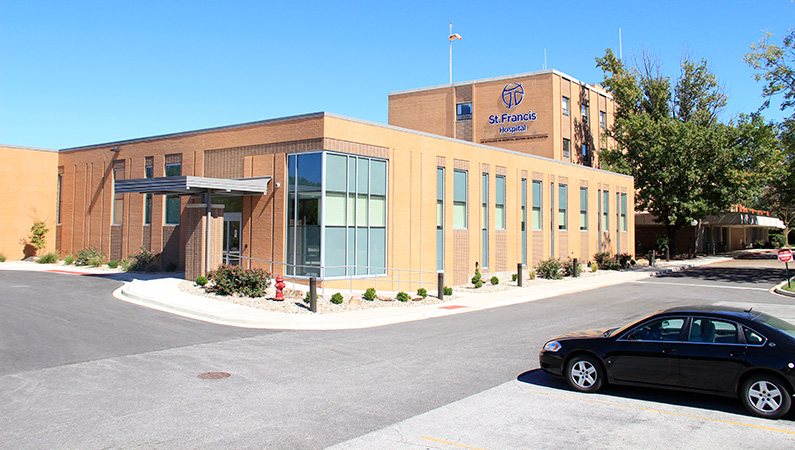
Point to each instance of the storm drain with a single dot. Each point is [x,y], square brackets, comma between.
[214,375]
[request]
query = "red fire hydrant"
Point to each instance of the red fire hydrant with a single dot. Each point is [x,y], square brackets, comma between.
[279,286]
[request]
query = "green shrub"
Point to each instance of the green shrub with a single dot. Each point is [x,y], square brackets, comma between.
[514,277]
[2,257]
[49,258]
[89,257]
[550,269]
[624,260]
[201,281]
[611,263]
[336,299]
[307,300]
[402,296]
[532,274]
[600,258]
[113,264]
[69,260]
[662,243]
[568,267]
[495,281]
[777,240]
[230,280]
[447,290]
[422,292]
[369,294]
[141,262]
[38,233]
[478,284]
[476,278]
[594,267]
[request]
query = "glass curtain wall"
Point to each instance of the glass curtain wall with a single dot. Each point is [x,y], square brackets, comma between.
[343,213]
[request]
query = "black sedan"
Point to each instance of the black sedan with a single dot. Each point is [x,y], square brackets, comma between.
[718,350]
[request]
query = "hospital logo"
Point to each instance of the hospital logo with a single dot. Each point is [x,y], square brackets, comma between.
[512,95]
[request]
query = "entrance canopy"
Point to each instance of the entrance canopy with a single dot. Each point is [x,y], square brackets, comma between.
[188,185]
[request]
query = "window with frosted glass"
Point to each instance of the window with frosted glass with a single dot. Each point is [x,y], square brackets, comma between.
[440,218]
[537,202]
[524,221]
[484,220]
[583,208]
[605,210]
[499,204]
[459,199]
[623,212]
[563,207]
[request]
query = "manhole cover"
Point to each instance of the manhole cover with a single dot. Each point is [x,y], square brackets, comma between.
[214,375]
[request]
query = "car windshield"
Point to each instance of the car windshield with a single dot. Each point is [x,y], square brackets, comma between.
[774,322]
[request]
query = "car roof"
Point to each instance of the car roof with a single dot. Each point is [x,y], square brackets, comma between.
[710,309]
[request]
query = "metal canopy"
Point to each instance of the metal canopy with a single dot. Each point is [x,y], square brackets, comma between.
[188,185]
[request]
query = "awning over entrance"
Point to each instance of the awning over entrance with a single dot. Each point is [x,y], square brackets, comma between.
[188,185]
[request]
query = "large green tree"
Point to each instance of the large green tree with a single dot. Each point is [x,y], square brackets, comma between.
[775,65]
[686,163]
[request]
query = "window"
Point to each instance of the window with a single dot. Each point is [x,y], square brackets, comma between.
[463,111]
[537,200]
[58,205]
[172,210]
[524,221]
[174,170]
[459,199]
[584,150]
[605,211]
[149,172]
[566,148]
[584,113]
[563,205]
[584,208]
[484,220]
[623,212]
[499,215]
[713,331]
[440,218]
[565,106]
[602,119]
[667,329]
[118,199]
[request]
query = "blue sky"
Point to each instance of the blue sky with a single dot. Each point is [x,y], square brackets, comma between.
[85,72]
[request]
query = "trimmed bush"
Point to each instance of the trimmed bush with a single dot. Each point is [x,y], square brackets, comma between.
[594,267]
[49,258]
[550,269]
[600,258]
[113,264]
[142,261]
[476,278]
[369,294]
[336,299]
[478,284]
[532,274]
[495,281]
[402,296]
[422,292]
[201,281]
[2,257]
[69,260]
[514,277]
[230,280]
[611,263]
[88,256]
[447,290]
[568,267]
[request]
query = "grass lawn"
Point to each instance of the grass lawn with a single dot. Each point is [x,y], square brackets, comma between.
[791,288]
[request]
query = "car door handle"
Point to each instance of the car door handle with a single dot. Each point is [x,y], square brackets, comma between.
[668,350]
[737,353]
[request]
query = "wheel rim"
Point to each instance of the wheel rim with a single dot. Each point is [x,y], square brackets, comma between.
[583,373]
[765,396]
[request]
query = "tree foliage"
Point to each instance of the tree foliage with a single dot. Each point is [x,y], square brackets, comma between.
[686,164]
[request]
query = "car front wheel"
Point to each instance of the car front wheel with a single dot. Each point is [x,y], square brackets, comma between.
[765,396]
[584,374]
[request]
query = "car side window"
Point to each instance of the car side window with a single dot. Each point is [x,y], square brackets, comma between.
[753,338]
[657,330]
[713,331]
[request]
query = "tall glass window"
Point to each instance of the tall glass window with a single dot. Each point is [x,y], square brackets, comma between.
[58,206]
[172,201]
[524,221]
[440,218]
[563,207]
[537,202]
[459,199]
[584,113]
[499,214]
[149,172]
[565,105]
[303,213]
[584,208]
[605,211]
[484,220]
[623,212]
[566,148]
[118,199]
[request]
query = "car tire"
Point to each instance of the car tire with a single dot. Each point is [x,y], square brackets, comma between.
[765,396]
[584,373]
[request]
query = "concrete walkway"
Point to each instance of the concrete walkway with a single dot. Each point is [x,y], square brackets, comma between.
[155,291]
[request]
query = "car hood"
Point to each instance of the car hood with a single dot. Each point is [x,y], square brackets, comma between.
[598,333]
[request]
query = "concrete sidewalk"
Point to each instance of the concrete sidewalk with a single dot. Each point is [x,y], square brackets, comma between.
[155,291]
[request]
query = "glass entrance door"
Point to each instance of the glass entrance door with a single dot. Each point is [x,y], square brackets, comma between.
[231,252]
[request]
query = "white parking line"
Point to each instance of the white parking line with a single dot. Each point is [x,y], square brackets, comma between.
[704,285]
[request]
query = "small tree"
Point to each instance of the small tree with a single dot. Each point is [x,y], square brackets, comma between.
[38,234]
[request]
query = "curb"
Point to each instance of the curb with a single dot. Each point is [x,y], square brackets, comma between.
[779,289]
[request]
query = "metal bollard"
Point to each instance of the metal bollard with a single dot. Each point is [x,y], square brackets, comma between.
[440,285]
[519,274]
[651,258]
[313,294]
[576,268]
[667,254]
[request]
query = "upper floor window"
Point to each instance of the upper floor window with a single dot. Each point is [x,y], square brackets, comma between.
[174,170]
[602,119]
[566,148]
[463,111]
[565,106]
[584,113]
